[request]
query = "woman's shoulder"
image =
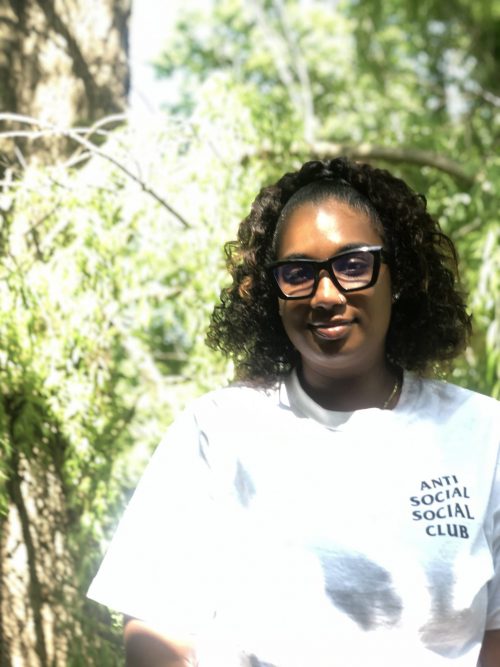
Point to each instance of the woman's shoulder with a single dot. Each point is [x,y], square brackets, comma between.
[237,398]
[444,397]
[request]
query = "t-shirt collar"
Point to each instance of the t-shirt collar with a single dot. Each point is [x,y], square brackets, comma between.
[293,396]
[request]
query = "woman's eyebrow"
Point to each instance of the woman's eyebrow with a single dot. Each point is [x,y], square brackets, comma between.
[348,246]
[296,255]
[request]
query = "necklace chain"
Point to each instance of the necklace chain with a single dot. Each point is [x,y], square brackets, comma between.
[393,393]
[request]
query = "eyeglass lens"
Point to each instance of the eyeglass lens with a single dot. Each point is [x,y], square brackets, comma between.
[353,271]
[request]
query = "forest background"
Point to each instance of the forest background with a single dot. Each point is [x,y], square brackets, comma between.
[112,231]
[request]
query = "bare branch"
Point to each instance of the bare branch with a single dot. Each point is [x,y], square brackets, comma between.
[144,186]
[473,88]
[46,129]
[96,128]
[421,158]
[490,97]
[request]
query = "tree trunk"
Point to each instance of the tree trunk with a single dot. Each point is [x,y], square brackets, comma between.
[64,62]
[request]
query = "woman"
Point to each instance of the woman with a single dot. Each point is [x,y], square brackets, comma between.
[333,507]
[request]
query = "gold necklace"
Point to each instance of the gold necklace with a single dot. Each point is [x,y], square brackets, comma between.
[393,393]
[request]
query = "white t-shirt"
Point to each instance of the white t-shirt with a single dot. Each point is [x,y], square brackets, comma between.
[279,534]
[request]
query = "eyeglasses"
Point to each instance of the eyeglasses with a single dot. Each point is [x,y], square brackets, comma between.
[350,271]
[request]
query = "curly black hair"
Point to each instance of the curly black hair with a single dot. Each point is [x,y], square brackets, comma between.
[429,321]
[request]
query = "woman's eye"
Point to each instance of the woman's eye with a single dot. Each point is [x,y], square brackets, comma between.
[355,266]
[296,274]
[352,266]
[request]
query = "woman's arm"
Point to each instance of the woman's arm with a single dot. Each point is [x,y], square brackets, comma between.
[490,652]
[145,647]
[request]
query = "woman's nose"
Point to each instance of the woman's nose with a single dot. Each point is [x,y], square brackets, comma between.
[327,294]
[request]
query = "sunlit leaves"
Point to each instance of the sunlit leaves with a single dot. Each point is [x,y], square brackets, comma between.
[395,74]
[105,296]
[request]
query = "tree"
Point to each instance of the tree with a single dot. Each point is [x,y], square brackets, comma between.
[109,270]
[53,65]
[105,298]
[62,62]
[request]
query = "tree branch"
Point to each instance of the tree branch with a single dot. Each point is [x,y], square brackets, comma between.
[415,156]
[301,69]
[47,129]
[275,45]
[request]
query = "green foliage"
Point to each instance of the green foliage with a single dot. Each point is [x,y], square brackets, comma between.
[372,76]
[106,296]
[105,300]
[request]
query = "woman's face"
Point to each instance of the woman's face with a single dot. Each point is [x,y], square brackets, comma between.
[338,335]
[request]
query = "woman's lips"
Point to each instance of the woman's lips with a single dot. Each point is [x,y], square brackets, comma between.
[331,330]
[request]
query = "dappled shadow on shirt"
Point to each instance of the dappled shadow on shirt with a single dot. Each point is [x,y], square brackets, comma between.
[361,589]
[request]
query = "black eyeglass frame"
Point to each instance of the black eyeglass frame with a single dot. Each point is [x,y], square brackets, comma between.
[377,251]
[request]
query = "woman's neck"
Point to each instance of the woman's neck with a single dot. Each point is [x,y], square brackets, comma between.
[378,388]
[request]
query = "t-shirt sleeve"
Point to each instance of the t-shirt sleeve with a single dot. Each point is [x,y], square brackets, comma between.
[493,523]
[162,565]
